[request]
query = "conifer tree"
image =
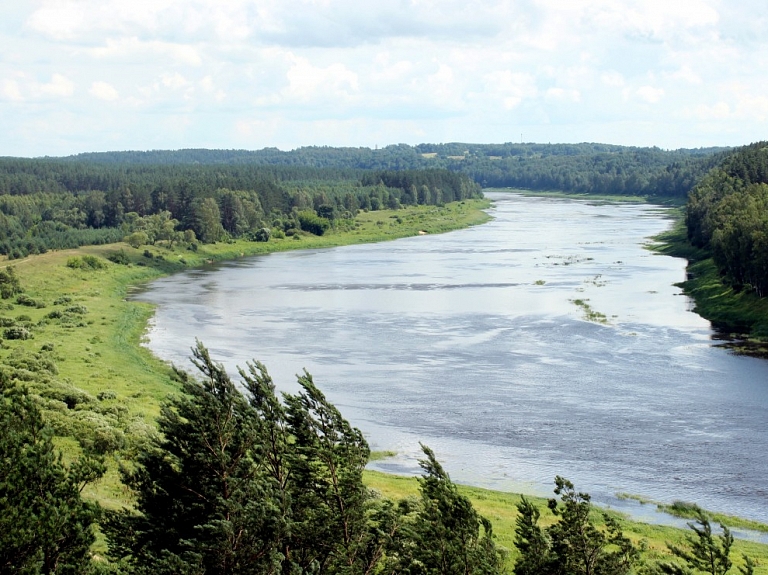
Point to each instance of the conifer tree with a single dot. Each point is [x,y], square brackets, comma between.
[444,534]
[45,525]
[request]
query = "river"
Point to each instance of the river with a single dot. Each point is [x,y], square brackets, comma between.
[546,342]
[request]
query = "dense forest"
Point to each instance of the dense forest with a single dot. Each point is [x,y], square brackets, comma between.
[54,204]
[574,168]
[213,195]
[727,215]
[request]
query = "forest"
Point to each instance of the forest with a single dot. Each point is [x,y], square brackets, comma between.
[727,215]
[56,205]
[573,168]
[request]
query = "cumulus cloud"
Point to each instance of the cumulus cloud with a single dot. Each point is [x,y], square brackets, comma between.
[104,91]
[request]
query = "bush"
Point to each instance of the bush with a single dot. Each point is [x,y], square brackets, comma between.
[77,309]
[62,300]
[17,332]
[312,223]
[262,235]
[23,299]
[148,254]
[119,258]
[106,394]
[85,262]
[9,283]
[7,321]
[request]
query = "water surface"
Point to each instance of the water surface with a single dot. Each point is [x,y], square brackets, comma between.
[476,343]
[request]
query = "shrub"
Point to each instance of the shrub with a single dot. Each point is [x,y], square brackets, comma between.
[23,299]
[148,254]
[106,394]
[119,258]
[17,332]
[93,263]
[9,283]
[7,321]
[62,300]
[77,309]
[262,235]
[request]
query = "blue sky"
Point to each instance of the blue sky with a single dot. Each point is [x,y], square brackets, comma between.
[94,75]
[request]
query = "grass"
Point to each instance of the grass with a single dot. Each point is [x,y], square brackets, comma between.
[590,314]
[740,316]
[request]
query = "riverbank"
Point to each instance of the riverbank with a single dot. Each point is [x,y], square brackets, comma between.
[740,318]
[81,351]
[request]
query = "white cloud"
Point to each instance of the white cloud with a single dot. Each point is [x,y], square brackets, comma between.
[11,91]
[307,82]
[104,91]
[59,86]
[650,94]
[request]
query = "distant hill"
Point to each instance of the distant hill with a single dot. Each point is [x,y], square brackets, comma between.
[576,168]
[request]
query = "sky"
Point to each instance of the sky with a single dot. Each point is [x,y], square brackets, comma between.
[97,75]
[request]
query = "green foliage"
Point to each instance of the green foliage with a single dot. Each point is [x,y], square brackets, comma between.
[727,214]
[119,257]
[86,262]
[573,544]
[9,283]
[704,552]
[443,534]
[312,223]
[262,235]
[45,526]
[17,332]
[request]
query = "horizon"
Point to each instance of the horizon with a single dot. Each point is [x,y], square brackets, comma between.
[371,148]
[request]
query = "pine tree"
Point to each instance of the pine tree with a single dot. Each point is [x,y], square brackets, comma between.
[573,545]
[45,525]
[443,534]
[706,553]
[203,504]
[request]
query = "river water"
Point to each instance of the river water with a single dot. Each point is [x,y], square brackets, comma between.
[546,342]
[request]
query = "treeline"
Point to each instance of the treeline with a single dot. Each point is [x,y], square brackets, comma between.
[727,214]
[575,168]
[255,483]
[46,204]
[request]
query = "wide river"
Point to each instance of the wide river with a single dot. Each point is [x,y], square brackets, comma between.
[479,344]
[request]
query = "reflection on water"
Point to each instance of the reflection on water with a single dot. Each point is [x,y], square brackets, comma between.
[476,343]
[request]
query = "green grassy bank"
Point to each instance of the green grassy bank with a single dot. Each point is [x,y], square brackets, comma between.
[740,316]
[501,509]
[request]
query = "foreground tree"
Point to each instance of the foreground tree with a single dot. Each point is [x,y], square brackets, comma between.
[203,505]
[45,526]
[573,545]
[705,552]
[246,485]
[443,534]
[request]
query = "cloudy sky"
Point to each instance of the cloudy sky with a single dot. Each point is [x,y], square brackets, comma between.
[94,75]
